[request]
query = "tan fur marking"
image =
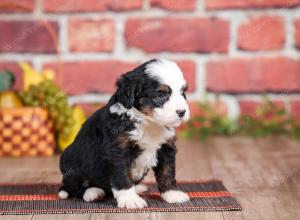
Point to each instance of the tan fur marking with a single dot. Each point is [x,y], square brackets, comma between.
[147,110]
[165,88]
[125,141]
[172,140]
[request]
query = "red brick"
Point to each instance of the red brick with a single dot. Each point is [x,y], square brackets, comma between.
[196,110]
[90,76]
[20,6]
[27,36]
[178,34]
[253,75]
[262,33]
[297,34]
[91,35]
[100,76]
[295,108]
[16,70]
[189,70]
[233,4]
[180,5]
[249,107]
[58,6]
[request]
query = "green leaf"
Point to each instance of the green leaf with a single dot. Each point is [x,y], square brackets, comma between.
[185,134]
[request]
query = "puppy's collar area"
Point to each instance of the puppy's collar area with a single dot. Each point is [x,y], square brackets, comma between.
[117,108]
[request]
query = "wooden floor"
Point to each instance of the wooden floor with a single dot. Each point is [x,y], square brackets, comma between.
[263,174]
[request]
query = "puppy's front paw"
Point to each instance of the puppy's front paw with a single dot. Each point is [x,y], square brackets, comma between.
[174,196]
[128,198]
[131,202]
[93,194]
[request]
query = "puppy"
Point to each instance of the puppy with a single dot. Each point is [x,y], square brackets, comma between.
[133,133]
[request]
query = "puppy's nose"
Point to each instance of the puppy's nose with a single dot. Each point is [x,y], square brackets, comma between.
[180,113]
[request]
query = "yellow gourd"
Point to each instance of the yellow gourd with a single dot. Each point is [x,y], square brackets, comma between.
[31,77]
[9,99]
[79,118]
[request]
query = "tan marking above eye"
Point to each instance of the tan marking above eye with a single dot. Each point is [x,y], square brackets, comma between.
[165,88]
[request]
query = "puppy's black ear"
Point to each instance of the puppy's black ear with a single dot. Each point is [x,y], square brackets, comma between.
[125,93]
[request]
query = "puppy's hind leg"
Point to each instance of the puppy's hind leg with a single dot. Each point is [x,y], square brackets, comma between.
[72,187]
[63,194]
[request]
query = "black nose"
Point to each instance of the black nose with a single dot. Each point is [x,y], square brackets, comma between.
[181,113]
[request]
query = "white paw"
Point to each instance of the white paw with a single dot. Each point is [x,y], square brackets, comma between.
[140,188]
[93,194]
[127,198]
[63,194]
[132,202]
[174,196]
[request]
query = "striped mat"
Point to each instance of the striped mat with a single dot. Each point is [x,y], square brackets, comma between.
[22,199]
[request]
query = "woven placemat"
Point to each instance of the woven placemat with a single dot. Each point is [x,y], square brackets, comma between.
[21,199]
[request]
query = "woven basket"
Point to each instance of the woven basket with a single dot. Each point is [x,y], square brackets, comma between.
[26,132]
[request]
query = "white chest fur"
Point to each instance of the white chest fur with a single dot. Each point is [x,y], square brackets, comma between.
[149,136]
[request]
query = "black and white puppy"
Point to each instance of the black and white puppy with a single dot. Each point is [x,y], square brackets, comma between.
[133,133]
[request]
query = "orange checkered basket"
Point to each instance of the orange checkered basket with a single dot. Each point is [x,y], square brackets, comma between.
[26,132]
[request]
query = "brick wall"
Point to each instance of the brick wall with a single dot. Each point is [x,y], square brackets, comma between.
[236,48]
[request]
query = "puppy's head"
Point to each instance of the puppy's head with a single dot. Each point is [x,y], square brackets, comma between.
[156,89]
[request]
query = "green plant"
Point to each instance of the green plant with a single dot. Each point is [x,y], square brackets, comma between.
[210,122]
[6,80]
[295,128]
[269,119]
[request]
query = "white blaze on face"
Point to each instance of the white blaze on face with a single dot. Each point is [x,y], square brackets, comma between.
[168,73]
